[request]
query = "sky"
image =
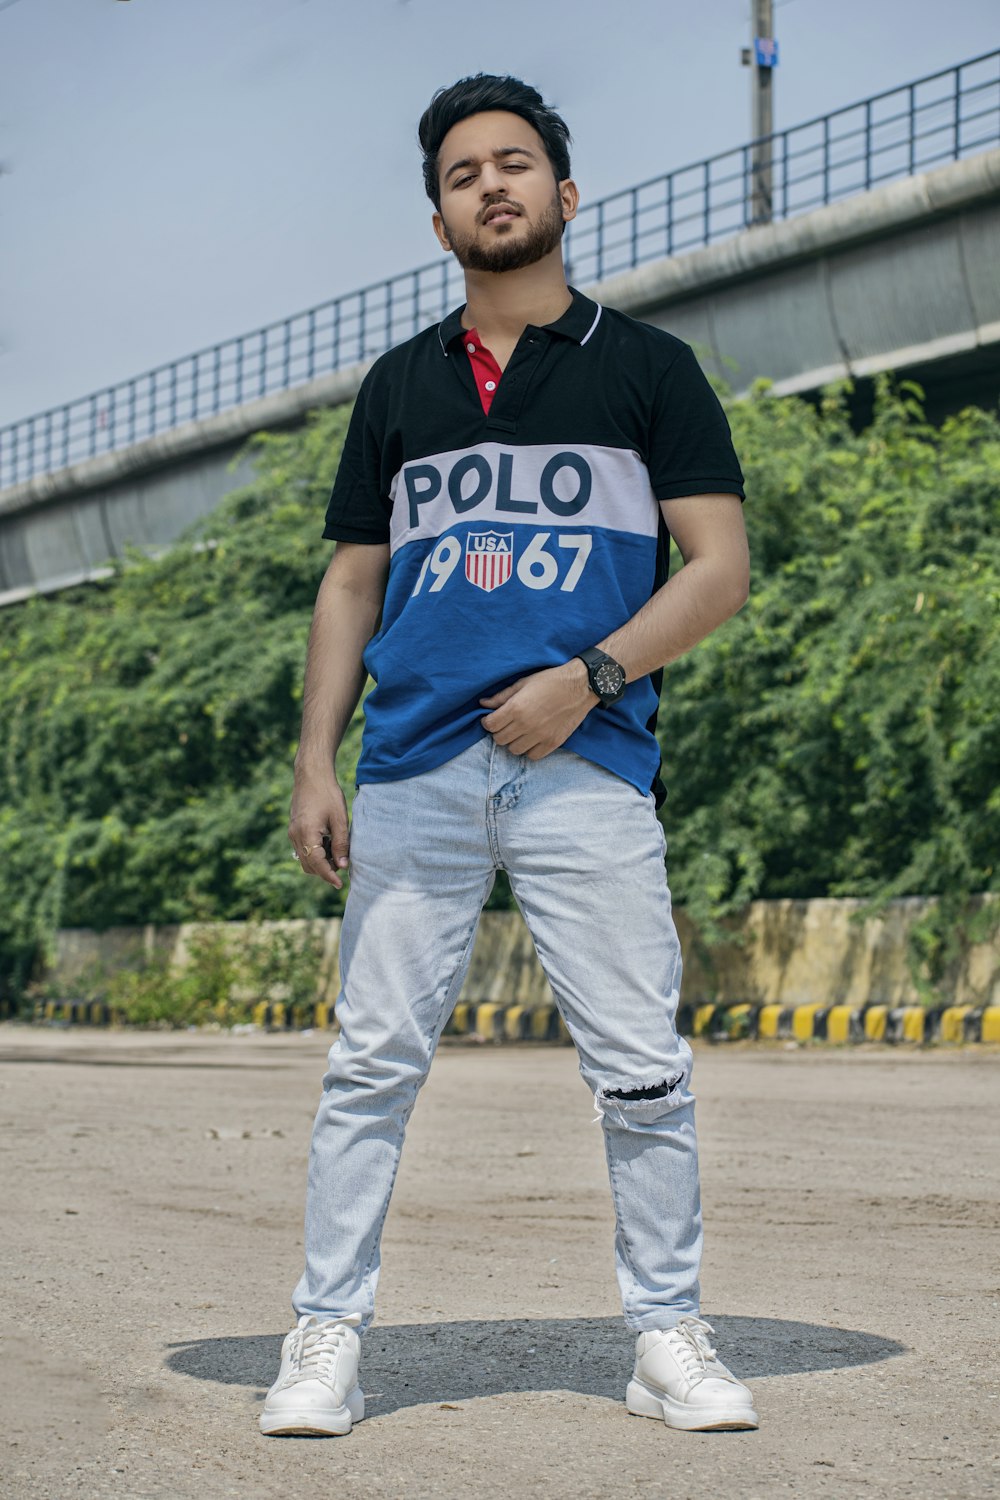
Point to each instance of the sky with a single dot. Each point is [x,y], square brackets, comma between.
[177,172]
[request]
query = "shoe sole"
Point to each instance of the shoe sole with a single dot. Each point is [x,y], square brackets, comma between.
[310,1423]
[641,1401]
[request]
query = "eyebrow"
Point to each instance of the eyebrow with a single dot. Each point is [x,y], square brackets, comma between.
[470,161]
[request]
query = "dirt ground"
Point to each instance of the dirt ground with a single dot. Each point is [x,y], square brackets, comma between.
[152,1229]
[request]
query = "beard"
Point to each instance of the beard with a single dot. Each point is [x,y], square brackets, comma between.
[510,253]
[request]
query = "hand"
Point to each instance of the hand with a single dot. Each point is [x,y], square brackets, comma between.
[536,714]
[317,821]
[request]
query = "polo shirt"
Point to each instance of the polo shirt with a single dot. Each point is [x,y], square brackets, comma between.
[520,535]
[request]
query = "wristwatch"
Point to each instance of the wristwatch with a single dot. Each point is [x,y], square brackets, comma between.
[607,676]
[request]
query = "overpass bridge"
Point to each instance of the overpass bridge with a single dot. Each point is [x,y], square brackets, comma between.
[881,253]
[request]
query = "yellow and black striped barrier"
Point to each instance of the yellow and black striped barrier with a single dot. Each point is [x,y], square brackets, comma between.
[494,1021]
[491,1021]
[844,1023]
[76,1012]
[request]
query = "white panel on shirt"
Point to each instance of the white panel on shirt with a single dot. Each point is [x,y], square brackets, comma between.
[550,484]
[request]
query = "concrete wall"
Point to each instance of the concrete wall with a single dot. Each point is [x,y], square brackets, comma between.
[61,529]
[903,276]
[784,952]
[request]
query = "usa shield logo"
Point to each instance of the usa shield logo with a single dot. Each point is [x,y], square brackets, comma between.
[489,558]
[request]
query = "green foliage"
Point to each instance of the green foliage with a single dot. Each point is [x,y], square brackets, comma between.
[838,737]
[151,993]
[226,972]
[150,722]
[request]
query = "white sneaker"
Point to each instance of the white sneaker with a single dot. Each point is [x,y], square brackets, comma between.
[679,1377]
[317,1386]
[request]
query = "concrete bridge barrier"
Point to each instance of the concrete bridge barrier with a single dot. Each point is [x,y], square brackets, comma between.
[904,277]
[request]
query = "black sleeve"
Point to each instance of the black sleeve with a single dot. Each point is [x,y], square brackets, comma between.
[690,446]
[357,511]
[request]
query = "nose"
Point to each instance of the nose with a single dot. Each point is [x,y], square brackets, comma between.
[491,180]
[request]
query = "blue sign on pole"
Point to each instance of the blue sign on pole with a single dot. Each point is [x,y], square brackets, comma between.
[765,50]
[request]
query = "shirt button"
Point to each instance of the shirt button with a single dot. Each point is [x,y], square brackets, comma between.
[491,385]
[471,348]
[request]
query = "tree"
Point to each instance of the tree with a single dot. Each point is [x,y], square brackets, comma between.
[838,737]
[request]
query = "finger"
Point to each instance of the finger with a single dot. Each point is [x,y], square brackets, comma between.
[334,835]
[305,836]
[523,744]
[315,861]
[338,843]
[504,735]
[313,849]
[502,695]
[497,719]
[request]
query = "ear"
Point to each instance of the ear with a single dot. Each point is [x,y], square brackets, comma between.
[441,231]
[569,197]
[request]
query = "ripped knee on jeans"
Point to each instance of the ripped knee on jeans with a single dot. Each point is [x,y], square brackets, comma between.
[656,1091]
[646,1102]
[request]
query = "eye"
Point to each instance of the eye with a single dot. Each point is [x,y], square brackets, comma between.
[461,181]
[516,166]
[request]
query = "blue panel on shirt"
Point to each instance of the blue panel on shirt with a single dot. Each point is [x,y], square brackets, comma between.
[506,561]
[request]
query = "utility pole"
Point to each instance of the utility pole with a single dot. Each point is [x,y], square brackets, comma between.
[762,57]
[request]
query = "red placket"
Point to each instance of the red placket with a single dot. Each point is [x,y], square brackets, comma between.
[485,370]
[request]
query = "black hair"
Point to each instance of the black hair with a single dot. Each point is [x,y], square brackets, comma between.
[475,95]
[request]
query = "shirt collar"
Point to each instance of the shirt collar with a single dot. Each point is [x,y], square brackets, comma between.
[577,322]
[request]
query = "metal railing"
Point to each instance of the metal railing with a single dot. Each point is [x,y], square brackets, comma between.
[939,118]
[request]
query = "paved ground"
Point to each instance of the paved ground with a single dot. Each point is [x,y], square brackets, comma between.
[153,1189]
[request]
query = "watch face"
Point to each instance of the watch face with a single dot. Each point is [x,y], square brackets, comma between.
[608,678]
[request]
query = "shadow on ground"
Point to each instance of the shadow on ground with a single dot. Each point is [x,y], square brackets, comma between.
[418,1363]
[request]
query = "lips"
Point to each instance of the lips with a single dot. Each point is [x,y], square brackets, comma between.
[500,211]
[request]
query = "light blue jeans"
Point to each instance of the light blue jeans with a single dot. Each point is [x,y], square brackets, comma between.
[584,852]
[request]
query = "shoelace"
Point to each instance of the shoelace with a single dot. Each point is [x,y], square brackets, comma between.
[313,1350]
[696,1354]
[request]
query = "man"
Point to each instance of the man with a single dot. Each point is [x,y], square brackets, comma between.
[508,487]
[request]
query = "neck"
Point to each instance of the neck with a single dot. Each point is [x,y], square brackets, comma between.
[502,304]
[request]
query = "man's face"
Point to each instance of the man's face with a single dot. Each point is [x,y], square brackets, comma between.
[501,207]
